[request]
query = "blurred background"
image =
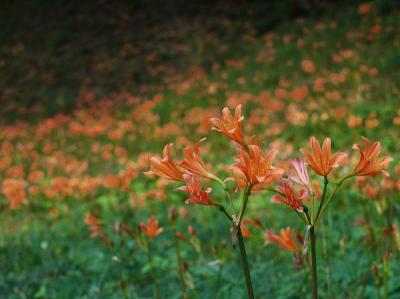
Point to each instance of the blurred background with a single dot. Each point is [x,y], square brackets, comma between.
[90,89]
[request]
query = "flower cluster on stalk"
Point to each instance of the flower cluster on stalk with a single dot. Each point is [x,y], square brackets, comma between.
[253,170]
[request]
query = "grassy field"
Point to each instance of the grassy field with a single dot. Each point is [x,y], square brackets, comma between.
[88,93]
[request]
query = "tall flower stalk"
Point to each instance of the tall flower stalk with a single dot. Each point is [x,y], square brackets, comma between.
[322,162]
[252,171]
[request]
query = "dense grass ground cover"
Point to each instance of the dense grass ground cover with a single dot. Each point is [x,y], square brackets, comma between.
[89,95]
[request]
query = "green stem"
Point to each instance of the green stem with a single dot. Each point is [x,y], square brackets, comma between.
[386,278]
[218,280]
[327,203]
[222,209]
[314,263]
[228,195]
[245,264]
[322,199]
[180,270]
[313,206]
[245,198]
[370,230]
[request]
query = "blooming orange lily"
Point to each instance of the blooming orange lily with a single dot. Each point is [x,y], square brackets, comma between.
[151,228]
[193,161]
[230,126]
[284,239]
[370,163]
[165,167]
[320,159]
[254,168]
[193,188]
[289,197]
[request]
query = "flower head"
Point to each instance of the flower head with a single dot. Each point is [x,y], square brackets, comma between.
[151,228]
[370,163]
[320,159]
[230,125]
[284,239]
[165,167]
[193,161]
[193,188]
[302,176]
[254,168]
[288,195]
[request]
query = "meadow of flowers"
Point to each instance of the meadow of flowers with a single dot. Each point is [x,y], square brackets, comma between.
[218,160]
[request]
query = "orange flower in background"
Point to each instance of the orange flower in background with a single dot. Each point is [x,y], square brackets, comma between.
[151,228]
[14,191]
[289,197]
[320,159]
[193,188]
[247,223]
[165,167]
[254,168]
[365,8]
[370,163]
[193,161]
[284,239]
[230,125]
[94,224]
[308,66]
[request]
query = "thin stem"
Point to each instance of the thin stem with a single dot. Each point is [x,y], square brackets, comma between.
[245,198]
[313,206]
[228,195]
[322,198]
[305,212]
[222,209]
[314,263]
[327,203]
[180,270]
[218,280]
[370,229]
[245,264]
[385,277]
[338,185]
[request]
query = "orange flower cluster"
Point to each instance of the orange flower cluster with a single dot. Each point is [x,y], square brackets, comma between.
[151,228]
[254,169]
[14,191]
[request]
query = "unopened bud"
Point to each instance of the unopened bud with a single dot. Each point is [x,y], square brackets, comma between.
[173,214]
[192,230]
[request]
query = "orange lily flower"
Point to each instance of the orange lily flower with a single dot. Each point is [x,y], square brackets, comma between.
[151,228]
[230,126]
[193,188]
[284,239]
[321,160]
[165,167]
[289,197]
[193,161]
[370,163]
[254,168]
